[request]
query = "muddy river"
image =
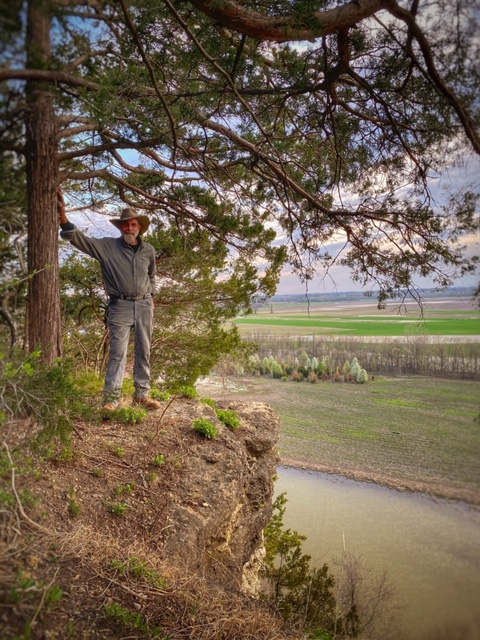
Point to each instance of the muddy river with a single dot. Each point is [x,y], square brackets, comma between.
[429,547]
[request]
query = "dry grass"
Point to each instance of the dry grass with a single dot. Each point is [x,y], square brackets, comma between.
[63,570]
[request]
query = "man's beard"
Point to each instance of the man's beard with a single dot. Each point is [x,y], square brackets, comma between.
[130,238]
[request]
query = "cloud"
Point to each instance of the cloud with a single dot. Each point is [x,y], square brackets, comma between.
[463,175]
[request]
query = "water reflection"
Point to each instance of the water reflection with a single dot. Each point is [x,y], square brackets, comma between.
[431,548]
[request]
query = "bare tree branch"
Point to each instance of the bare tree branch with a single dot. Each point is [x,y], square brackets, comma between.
[464,116]
[41,75]
[286,28]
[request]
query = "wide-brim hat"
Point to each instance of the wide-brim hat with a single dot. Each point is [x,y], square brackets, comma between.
[131,214]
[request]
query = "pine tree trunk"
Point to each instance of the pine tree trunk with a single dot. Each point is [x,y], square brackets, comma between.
[43,327]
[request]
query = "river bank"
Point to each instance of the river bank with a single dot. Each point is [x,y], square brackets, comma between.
[408,434]
[380,478]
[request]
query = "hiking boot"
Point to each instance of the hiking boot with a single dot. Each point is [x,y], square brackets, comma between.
[148,403]
[108,407]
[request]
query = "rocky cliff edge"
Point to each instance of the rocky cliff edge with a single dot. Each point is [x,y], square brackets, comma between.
[140,531]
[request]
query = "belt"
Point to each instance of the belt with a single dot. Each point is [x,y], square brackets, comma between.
[144,296]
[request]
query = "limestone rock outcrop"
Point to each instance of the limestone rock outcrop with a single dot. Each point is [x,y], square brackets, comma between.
[223,501]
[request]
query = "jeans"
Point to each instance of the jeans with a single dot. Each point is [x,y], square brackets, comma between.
[125,315]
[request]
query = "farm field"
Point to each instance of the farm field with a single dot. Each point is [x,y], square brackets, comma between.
[444,317]
[409,433]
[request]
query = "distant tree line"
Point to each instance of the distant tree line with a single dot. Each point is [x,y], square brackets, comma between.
[413,356]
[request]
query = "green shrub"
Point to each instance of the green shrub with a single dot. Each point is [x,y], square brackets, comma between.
[128,488]
[48,394]
[28,499]
[7,499]
[138,569]
[362,376]
[229,418]
[277,370]
[119,508]
[159,460]
[163,396]
[129,415]
[128,386]
[209,402]
[132,620]
[188,392]
[54,594]
[205,428]
[89,382]
[73,508]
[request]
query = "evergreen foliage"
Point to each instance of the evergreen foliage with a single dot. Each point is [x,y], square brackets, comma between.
[205,428]
[304,596]
[49,395]
[303,368]
[229,418]
[362,376]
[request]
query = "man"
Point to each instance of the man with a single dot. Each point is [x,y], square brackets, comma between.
[128,269]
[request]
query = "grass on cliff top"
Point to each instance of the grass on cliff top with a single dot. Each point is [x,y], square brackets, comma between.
[410,433]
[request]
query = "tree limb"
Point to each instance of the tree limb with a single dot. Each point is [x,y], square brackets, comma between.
[42,75]
[465,118]
[287,28]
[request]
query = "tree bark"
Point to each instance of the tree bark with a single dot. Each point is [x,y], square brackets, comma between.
[236,16]
[43,330]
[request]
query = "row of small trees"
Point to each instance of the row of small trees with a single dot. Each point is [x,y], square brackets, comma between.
[304,368]
[415,355]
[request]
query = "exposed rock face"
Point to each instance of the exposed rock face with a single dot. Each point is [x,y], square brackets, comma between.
[224,500]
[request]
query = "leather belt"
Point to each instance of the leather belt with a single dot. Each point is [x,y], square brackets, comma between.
[132,298]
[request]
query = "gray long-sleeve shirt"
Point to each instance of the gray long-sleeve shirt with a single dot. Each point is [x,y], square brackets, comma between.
[126,271]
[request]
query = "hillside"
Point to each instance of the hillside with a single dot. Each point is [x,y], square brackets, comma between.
[139,531]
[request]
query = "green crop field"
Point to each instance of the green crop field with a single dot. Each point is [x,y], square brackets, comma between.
[361,326]
[414,433]
[447,317]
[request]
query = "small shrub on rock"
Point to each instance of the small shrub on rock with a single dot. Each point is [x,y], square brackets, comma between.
[162,396]
[130,415]
[188,392]
[229,418]
[205,428]
[208,401]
